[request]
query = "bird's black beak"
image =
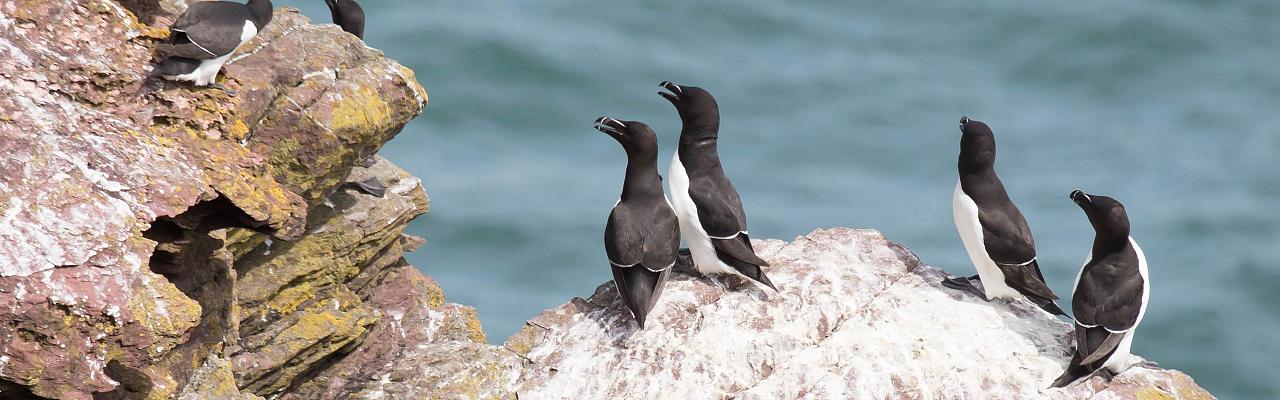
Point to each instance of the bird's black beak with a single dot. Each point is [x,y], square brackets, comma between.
[673,92]
[1080,197]
[611,127]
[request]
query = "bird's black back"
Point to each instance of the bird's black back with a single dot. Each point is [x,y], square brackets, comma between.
[642,231]
[719,206]
[1005,232]
[214,25]
[1109,293]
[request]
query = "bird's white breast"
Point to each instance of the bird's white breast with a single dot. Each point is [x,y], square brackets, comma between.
[1121,359]
[1146,281]
[965,212]
[207,72]
[704,254]
[247,33]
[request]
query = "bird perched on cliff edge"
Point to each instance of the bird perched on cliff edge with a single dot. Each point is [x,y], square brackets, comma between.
[642,235]
[205,36]
[994,232]
[347,14]
[1110,294]
[711,217]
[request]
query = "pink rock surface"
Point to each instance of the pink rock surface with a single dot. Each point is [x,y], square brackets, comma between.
[116,190]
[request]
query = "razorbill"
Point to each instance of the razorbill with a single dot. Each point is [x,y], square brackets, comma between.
[349,15]
[994,232]
[642,235]
[711,217]
[205,36]
[1110,294]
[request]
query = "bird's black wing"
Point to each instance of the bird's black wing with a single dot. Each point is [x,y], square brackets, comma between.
[718,204]
[1009,243]
[739,248]
[642,235]
[1005,234]
[1027,279]
[642,242]
[1109,293]
[738,254]
[663,241]
[1107,302]
[721,215]
[179,46]
[215,26]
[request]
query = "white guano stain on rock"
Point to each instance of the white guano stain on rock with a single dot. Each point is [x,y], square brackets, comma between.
[857,317]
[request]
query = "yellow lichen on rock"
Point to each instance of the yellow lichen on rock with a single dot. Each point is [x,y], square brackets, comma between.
[360,109]
[1152,393]
[162,309]
[237,131]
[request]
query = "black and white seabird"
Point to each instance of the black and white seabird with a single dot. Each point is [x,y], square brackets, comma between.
[1110,294]
[994,232]
[205,36]
[711,217]
[642,236]
[349,15]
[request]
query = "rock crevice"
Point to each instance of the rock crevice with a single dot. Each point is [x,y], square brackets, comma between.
[136,215]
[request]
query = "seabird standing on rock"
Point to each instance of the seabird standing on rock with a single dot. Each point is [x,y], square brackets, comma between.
[1110,294]
[349,15]
[642,236]
[205,36]
[711,217]
[994,232]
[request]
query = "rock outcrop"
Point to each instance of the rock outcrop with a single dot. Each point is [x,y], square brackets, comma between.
[159,240]
[857,317]
[162,241]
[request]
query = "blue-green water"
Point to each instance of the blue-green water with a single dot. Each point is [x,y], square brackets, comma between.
[843,113]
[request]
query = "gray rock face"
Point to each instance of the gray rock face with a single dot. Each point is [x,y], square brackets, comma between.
[858,316]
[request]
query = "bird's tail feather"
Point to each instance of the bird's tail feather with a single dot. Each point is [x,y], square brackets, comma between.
[749,270]
[639,289]
[174,66]
[1073,373]
[1050,306]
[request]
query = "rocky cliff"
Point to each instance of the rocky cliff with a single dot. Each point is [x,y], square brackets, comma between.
[162,241]
[159,240]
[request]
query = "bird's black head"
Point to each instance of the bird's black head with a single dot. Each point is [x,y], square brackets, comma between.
[636,137]
[262,11]
[698,109]
[1107,215]
[977,145]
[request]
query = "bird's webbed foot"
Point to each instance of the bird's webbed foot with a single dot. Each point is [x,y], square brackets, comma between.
[1106,374]
[962,284]
[224,89]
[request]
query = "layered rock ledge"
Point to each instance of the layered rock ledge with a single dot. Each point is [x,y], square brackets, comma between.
[160,241]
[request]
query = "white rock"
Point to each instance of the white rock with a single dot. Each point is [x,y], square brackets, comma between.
[858,317]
